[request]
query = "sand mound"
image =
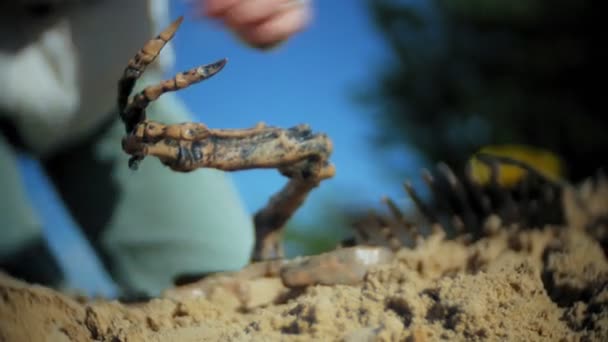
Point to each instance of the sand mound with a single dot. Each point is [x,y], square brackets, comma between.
[515,285]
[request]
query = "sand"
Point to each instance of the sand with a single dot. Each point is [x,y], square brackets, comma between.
[548,284]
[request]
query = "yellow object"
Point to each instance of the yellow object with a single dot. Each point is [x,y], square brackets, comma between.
[545,162]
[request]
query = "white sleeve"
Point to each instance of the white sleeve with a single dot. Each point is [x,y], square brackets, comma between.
[60,72]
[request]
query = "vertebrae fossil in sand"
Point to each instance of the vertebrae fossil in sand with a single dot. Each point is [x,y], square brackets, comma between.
[303,156]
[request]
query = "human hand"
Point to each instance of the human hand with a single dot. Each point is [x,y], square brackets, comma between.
[260,23]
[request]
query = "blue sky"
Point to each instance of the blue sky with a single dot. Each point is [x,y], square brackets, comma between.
[310,80]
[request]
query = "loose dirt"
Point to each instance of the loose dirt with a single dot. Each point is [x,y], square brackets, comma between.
[547,284]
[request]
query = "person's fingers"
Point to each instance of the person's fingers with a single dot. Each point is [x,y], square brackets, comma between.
[248,12]
[260,23]
[277,28]
[217,8]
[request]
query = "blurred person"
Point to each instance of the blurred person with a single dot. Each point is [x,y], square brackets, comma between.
[60,62]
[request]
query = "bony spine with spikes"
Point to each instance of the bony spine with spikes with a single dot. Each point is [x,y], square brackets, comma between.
[297,152]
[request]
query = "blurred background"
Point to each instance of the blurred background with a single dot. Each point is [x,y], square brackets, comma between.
[397,85]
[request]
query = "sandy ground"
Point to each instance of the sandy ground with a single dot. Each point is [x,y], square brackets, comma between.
[547,284]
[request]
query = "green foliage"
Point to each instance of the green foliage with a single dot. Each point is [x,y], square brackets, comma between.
[467,73]
[321,233]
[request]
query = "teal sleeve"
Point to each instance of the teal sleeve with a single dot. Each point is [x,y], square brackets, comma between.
[168,223]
